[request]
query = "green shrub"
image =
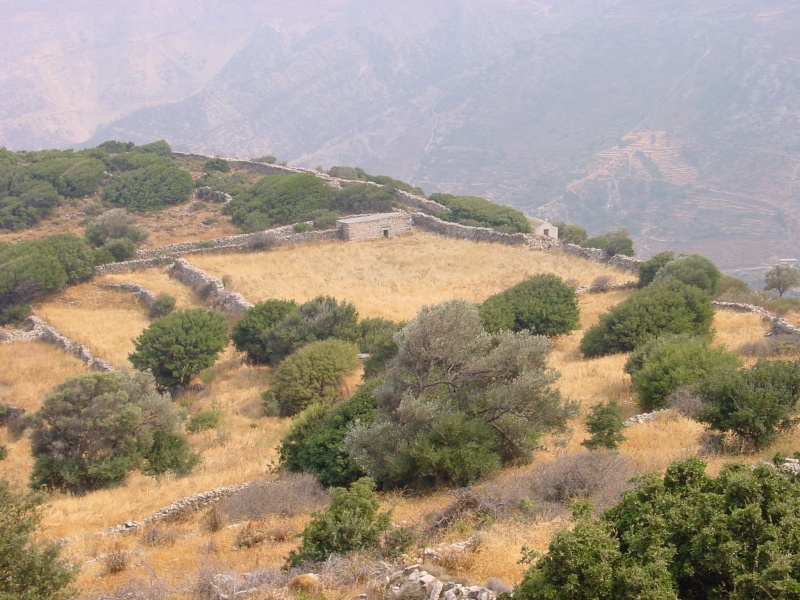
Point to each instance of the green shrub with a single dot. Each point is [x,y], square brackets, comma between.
[180,345]
[756,404]
[93,429]
[667,306]
[616,241]
[163,305]
[267,159]
[29,570]
[320,318]
[650,268]
[542,304]
[114,224]
[686,535]
[121,249]
[152,187]
[279,200]
[604,423]
[660,367]
[203,420]
[315,441]
[312,375]
[472,210]
[692,269]
[216,164]
[3,452]
[170,452]
[351,523]
[571,233]
[363,198]
[247,334]
[377,340]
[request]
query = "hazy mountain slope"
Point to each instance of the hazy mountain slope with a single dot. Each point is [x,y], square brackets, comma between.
[677,119]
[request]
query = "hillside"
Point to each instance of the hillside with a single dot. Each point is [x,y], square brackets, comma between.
[674,119]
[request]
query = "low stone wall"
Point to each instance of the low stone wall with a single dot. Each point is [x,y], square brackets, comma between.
[131,265]
[478,234]
[777,323]
[420,203]
[34,329]
[182,506]
[141,293]
[608,287]
[595,254]
[209,288]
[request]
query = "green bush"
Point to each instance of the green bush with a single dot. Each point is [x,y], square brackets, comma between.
[180,345]
[203,420]
[351,523]
[472,210]
[661,366]
[315,442]
[163,305]
[377,340]
[650,268]
[686,535]
[247,334]
[692,269]
[756,404]
[114,224]
[604,423]
[121,249]
[216,164]
[312,375]
[279,200]
[542,304]
[571,233]
[363,198]
[320,318]
[667,306]
[616,241]
[29,570]
[93,429]
[170,452]
[152,187]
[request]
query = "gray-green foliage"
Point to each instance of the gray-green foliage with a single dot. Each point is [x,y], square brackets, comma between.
[351,523]
[93,429]
[162,306]
[180,345]
[312,375]
[571,233]
[661,366]
[377,340]
[781,278]
[114,224]
[29,570]
[692,269]
[248,333]
[480,212]
[650,268]
[616,241]
[667,306]
[683,535]
[457,401]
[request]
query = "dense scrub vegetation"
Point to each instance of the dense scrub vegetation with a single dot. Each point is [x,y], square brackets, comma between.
[683,535]
[31,270]
[358,174]
[616,241]
[472,210]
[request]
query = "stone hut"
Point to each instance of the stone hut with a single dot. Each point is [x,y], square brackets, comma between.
[370,227]
[542,227]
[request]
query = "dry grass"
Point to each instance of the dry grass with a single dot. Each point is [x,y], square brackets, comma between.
[158,282]
[393,278]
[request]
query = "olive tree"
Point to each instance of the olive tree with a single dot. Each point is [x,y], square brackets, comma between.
[457,401]
[781,278]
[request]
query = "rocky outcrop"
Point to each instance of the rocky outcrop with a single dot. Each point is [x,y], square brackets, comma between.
[644,417]
[141,293]
[34,329]
[209,288]
[414,576]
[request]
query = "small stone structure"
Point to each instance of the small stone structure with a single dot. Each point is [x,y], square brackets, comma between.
[370,227]
[542,227]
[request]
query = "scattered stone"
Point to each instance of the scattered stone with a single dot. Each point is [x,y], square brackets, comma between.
[644,417]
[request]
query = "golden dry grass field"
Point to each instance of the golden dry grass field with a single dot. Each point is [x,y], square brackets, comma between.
[391,278]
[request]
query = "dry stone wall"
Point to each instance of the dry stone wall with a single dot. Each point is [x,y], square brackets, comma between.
[34,329]
[131,265]
[210,288]
[420,203]
[141,293]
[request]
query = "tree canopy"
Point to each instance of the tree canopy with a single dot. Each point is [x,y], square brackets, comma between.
[781,278]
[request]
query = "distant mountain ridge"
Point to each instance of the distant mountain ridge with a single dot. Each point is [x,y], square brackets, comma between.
[678,120]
